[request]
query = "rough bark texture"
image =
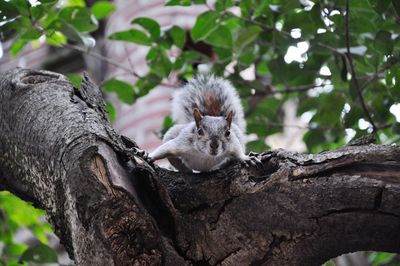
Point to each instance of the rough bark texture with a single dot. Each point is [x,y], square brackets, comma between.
[109,207]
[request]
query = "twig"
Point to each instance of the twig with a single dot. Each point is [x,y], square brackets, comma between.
[259,96]
[261,25]
[299,126]
[330,48]
[128,70]
[352,71]
[287,34]
[272,91]
[379,73]
[128,57]
[103,58]
[208,6]
[303,88]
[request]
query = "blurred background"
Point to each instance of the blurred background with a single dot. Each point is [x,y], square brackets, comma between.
[312,75]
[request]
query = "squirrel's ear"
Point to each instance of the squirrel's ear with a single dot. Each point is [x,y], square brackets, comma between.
[197,117]
[228,118]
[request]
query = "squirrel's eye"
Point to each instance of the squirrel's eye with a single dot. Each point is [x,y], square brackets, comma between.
[227,133]
[200,131]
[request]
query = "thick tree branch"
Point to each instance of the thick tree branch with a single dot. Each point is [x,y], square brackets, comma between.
[109,207]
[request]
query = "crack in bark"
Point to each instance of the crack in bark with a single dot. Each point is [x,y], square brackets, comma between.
[367,168]
[276,242]
[378,198]
[219,262]
[221,210]
[355,210]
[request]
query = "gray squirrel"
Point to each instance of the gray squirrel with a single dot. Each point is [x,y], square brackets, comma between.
[209,127]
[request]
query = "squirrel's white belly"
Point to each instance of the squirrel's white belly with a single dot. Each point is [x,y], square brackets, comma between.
[203,162]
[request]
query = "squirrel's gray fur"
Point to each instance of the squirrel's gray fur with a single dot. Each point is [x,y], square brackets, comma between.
[194,95]
[209,126]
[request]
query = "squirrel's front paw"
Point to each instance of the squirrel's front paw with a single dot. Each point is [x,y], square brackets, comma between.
[252,160]
[143,154]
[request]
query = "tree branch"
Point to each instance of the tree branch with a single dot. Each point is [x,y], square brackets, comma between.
[352,71]
[103,58]
[109,207]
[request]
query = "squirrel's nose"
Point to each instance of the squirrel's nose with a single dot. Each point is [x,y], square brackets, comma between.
[214,145]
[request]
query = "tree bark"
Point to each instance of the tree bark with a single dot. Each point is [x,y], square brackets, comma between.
[110,207]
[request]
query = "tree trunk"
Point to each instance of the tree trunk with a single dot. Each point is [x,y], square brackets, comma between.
[110,207]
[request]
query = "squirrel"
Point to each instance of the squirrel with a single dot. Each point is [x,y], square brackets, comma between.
[209,127]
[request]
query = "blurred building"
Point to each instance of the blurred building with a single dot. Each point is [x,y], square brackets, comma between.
[141,120]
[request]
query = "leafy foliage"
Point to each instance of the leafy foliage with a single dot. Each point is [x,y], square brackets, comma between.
[295,51]
[16,215]
[381,258]
[345,95]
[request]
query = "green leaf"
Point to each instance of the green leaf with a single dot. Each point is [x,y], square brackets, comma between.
[247,56]
[132,35]
[329,109]
[178,3]
[383,42]
[380,6]
[246,7]
[56,38]
[48,2]
[351,118]
[40,254]
[167,124]
[76,79]
[150,25]
[221,5]
[160,65]
[31,34]
[246,36]
[316,17]
[178,36]
[314,138]
[22,6]
[7,11]
[205,24]
[364,20]
[123,90]
[152,54]
[381,258]
[80,3]
[17,46]
[220,37]
[148,82]
[14,249]
[68,30]
[10,29]
[222,53]
[111,112]
[38,11]
[41,233]
[262,68]
[80,18]
[264,12]
[102,9]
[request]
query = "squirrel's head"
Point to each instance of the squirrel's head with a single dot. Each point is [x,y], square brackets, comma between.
[212,133]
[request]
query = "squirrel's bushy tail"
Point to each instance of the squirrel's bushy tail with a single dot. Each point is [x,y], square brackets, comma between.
[212,95]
